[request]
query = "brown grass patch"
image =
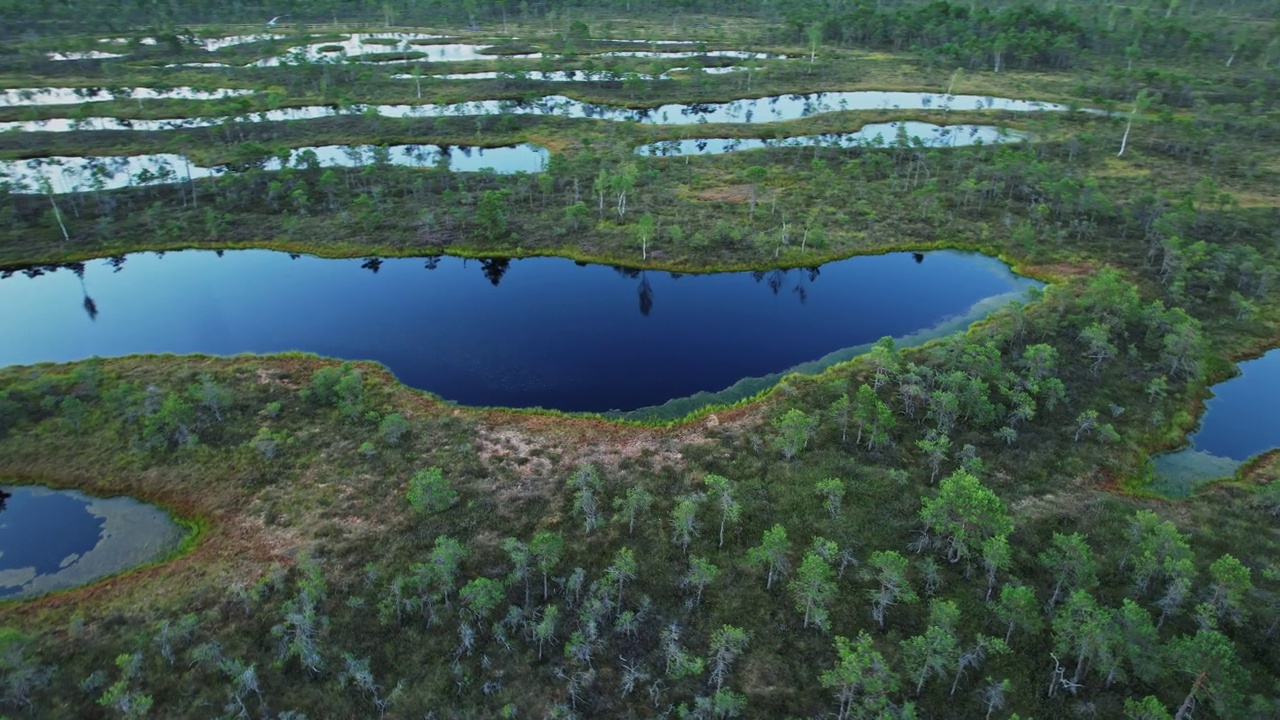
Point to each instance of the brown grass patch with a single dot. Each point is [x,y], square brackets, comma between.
[729,193]
[241,542]
[1265,469]
[1250,199]
[1064,270]
[1116,168]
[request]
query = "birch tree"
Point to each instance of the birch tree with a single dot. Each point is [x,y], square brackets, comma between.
[1143,100]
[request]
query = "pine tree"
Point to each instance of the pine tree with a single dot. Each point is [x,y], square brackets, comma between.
[586,486]
[622,570]
[814,588]
[546,548]
[684,521]
[964,515]
[1086,630]
[772,554]
[701,574]
[1069,560]
[889,571]
[832,492]
[1018,608]
[996,557]
[721,492]
[1209,659]
[936,650]
[727,645]
[861,678]
[635,502]
[1230,583]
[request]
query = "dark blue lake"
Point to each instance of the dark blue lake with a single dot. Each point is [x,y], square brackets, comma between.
[1241,420]
[41,529]
[56,539]
[542,332]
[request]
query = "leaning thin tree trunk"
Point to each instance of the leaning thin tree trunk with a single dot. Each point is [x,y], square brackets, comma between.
[1079,667]
[1124,141]
[1189,705]
[57,214]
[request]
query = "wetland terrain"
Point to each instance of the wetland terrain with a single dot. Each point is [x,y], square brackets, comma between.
[573,360]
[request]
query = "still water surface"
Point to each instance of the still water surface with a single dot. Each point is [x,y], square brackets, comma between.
[1241,420]
[565,75]
[18,97]
[870,135]
[54,539]
[67,174]
[537,332]
[774,108]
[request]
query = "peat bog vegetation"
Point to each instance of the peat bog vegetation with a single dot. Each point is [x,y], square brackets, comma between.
[1006,250]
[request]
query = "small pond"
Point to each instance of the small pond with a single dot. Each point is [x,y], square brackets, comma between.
[422,48]
[218,43]
[871,135]
[57,539]
[543,332]
[83,174]
[359,45]
[735,54]
[565,75]
[1241,420]
[82,55]
[17,97]
[355,43]
[775,108]
[605,41]
[125,41]
[198,65]
[213,43]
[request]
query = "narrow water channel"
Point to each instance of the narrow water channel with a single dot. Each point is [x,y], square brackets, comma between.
[870,135]
[774,108]
[68,174]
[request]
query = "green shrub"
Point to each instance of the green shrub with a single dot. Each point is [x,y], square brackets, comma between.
[429,491]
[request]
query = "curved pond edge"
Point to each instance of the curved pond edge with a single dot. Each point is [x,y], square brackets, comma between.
[194,115]
[752,387]
[732,398]
[1217,471]
[196,527]
[203,167]
[351,251]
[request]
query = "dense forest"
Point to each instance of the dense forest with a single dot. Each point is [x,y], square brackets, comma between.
[968,527]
